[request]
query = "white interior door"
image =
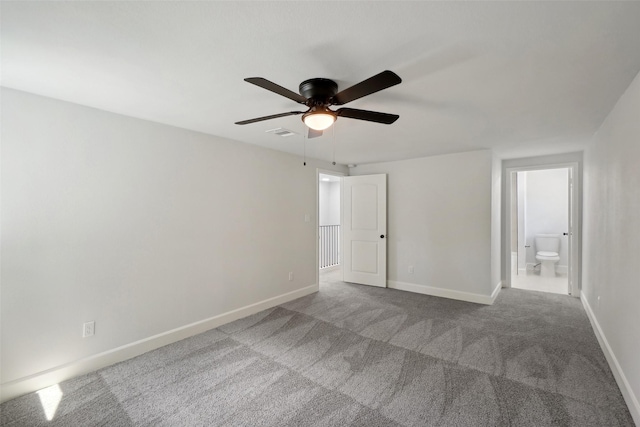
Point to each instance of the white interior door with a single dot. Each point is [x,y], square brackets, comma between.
[364,201]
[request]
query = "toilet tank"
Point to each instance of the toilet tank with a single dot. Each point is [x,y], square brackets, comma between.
[548,243]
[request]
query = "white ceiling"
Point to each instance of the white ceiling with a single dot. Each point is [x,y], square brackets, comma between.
[524,78]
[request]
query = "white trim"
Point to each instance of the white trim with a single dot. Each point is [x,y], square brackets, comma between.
[31,383]
[627,392]
[446,293]
[514,261]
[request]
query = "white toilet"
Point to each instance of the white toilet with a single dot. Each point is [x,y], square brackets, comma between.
[548,253]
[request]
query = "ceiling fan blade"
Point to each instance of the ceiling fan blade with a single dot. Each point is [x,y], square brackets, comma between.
[274,116]
[371,116]
[373,84]
[314,133]
[266,84]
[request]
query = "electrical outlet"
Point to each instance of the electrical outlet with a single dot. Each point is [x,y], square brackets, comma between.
[410,269]
[88,329]
[290,276]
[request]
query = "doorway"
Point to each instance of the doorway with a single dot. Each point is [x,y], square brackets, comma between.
[542,213]
[352,216]
[329,226]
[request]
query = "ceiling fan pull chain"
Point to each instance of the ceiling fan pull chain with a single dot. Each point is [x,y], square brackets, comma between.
[304,145]
[333,140]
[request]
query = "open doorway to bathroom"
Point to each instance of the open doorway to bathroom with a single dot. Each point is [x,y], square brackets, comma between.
[329,227]
[542,242]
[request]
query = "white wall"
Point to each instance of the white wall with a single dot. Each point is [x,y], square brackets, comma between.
[440,221]
[329,203]
[611,248]
[139,226]
[547,209]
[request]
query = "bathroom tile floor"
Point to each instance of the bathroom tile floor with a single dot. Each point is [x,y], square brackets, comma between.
[532,281]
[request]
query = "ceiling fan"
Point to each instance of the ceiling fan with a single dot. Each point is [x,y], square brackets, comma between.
[319,94]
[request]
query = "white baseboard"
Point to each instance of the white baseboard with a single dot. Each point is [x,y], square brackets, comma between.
[31,383]
[331,268]
[496,291]
[627,392]
[446,293]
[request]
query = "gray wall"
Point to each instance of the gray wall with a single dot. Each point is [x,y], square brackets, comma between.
[139,226]
[612,238]
[496,219]
[440,220]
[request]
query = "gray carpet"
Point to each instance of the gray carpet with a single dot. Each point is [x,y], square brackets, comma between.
[360,356]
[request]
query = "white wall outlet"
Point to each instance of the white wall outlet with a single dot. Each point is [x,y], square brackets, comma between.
[410,269]
[88,329]
[290,276]
[307,218]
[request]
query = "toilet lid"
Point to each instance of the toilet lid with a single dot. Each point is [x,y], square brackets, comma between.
[544,253]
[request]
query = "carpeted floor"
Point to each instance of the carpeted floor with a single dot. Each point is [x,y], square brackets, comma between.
[360,356]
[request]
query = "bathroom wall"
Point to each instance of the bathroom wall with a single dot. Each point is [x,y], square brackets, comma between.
[547,210]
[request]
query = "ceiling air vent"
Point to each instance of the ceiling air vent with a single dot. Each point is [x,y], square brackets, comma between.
[281,132]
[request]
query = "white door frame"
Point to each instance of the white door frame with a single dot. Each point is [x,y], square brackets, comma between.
[573,274]
[318,173]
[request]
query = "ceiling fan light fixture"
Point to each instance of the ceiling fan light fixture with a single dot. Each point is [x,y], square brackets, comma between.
[319,119]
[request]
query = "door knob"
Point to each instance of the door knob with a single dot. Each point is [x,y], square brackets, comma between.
[382,236]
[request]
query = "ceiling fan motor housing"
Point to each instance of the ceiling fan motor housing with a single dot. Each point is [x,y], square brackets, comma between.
[318,90]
